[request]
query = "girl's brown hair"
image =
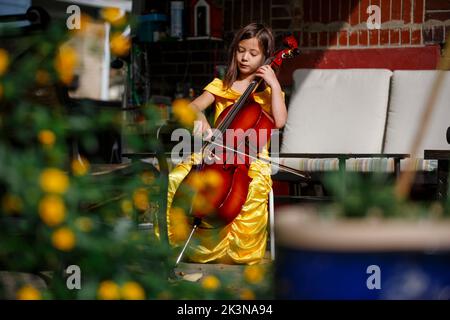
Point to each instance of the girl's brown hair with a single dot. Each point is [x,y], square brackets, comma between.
[266,42]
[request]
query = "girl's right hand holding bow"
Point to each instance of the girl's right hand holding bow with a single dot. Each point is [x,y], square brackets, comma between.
[199,104]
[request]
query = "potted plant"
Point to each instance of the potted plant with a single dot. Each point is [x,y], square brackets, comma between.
[364,245]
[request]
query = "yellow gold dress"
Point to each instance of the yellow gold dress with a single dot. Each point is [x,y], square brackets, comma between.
[243,241]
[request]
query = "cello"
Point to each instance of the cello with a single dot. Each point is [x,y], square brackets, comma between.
[241,133]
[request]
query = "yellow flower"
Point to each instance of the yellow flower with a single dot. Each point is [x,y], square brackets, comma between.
[54,181]
[80,166]
[177,214]
[202,205]
[212,179]
[120,45]
[11,203]
[84,224]
[132,291]
[42,77]
[147,177]
[247,294]
[205,181]
[4,61]
[210,283]
[85,20]
[183,112]
[253,274]
[179,224]
[65,63]
[28,292]
[180,232]
[47,137]
[63,239]
[205,184]
[140,199]
[115,16]
[108,290]
[127,207]
[52,210]
[195,181]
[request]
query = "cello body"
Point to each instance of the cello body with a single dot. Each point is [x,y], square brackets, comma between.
[221,201]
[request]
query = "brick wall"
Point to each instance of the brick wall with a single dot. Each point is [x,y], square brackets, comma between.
[343,23]
[320,25]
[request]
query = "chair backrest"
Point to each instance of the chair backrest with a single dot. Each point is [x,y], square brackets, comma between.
[337,111]
[410,90]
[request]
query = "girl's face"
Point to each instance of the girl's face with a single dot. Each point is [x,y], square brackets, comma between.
[249,56]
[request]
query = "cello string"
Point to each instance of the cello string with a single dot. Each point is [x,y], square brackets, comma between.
[271,162]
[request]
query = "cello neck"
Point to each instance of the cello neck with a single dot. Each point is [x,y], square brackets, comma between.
[242,100]
[238,105]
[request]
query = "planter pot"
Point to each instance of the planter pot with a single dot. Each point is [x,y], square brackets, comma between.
[323,258]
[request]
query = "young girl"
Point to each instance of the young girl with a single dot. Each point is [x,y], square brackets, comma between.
[244,239]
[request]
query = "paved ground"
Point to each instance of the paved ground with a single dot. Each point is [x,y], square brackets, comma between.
[233,273]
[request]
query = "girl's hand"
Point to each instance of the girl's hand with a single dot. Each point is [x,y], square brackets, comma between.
[199,104]
[266,72]
[279,110]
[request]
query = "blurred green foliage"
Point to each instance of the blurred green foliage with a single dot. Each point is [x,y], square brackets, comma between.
[357,194]
[93,223]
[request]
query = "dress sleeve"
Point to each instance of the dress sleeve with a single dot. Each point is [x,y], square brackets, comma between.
[216,88]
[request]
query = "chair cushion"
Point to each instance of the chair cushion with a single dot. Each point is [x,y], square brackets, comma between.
[337,111]
[410,91]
